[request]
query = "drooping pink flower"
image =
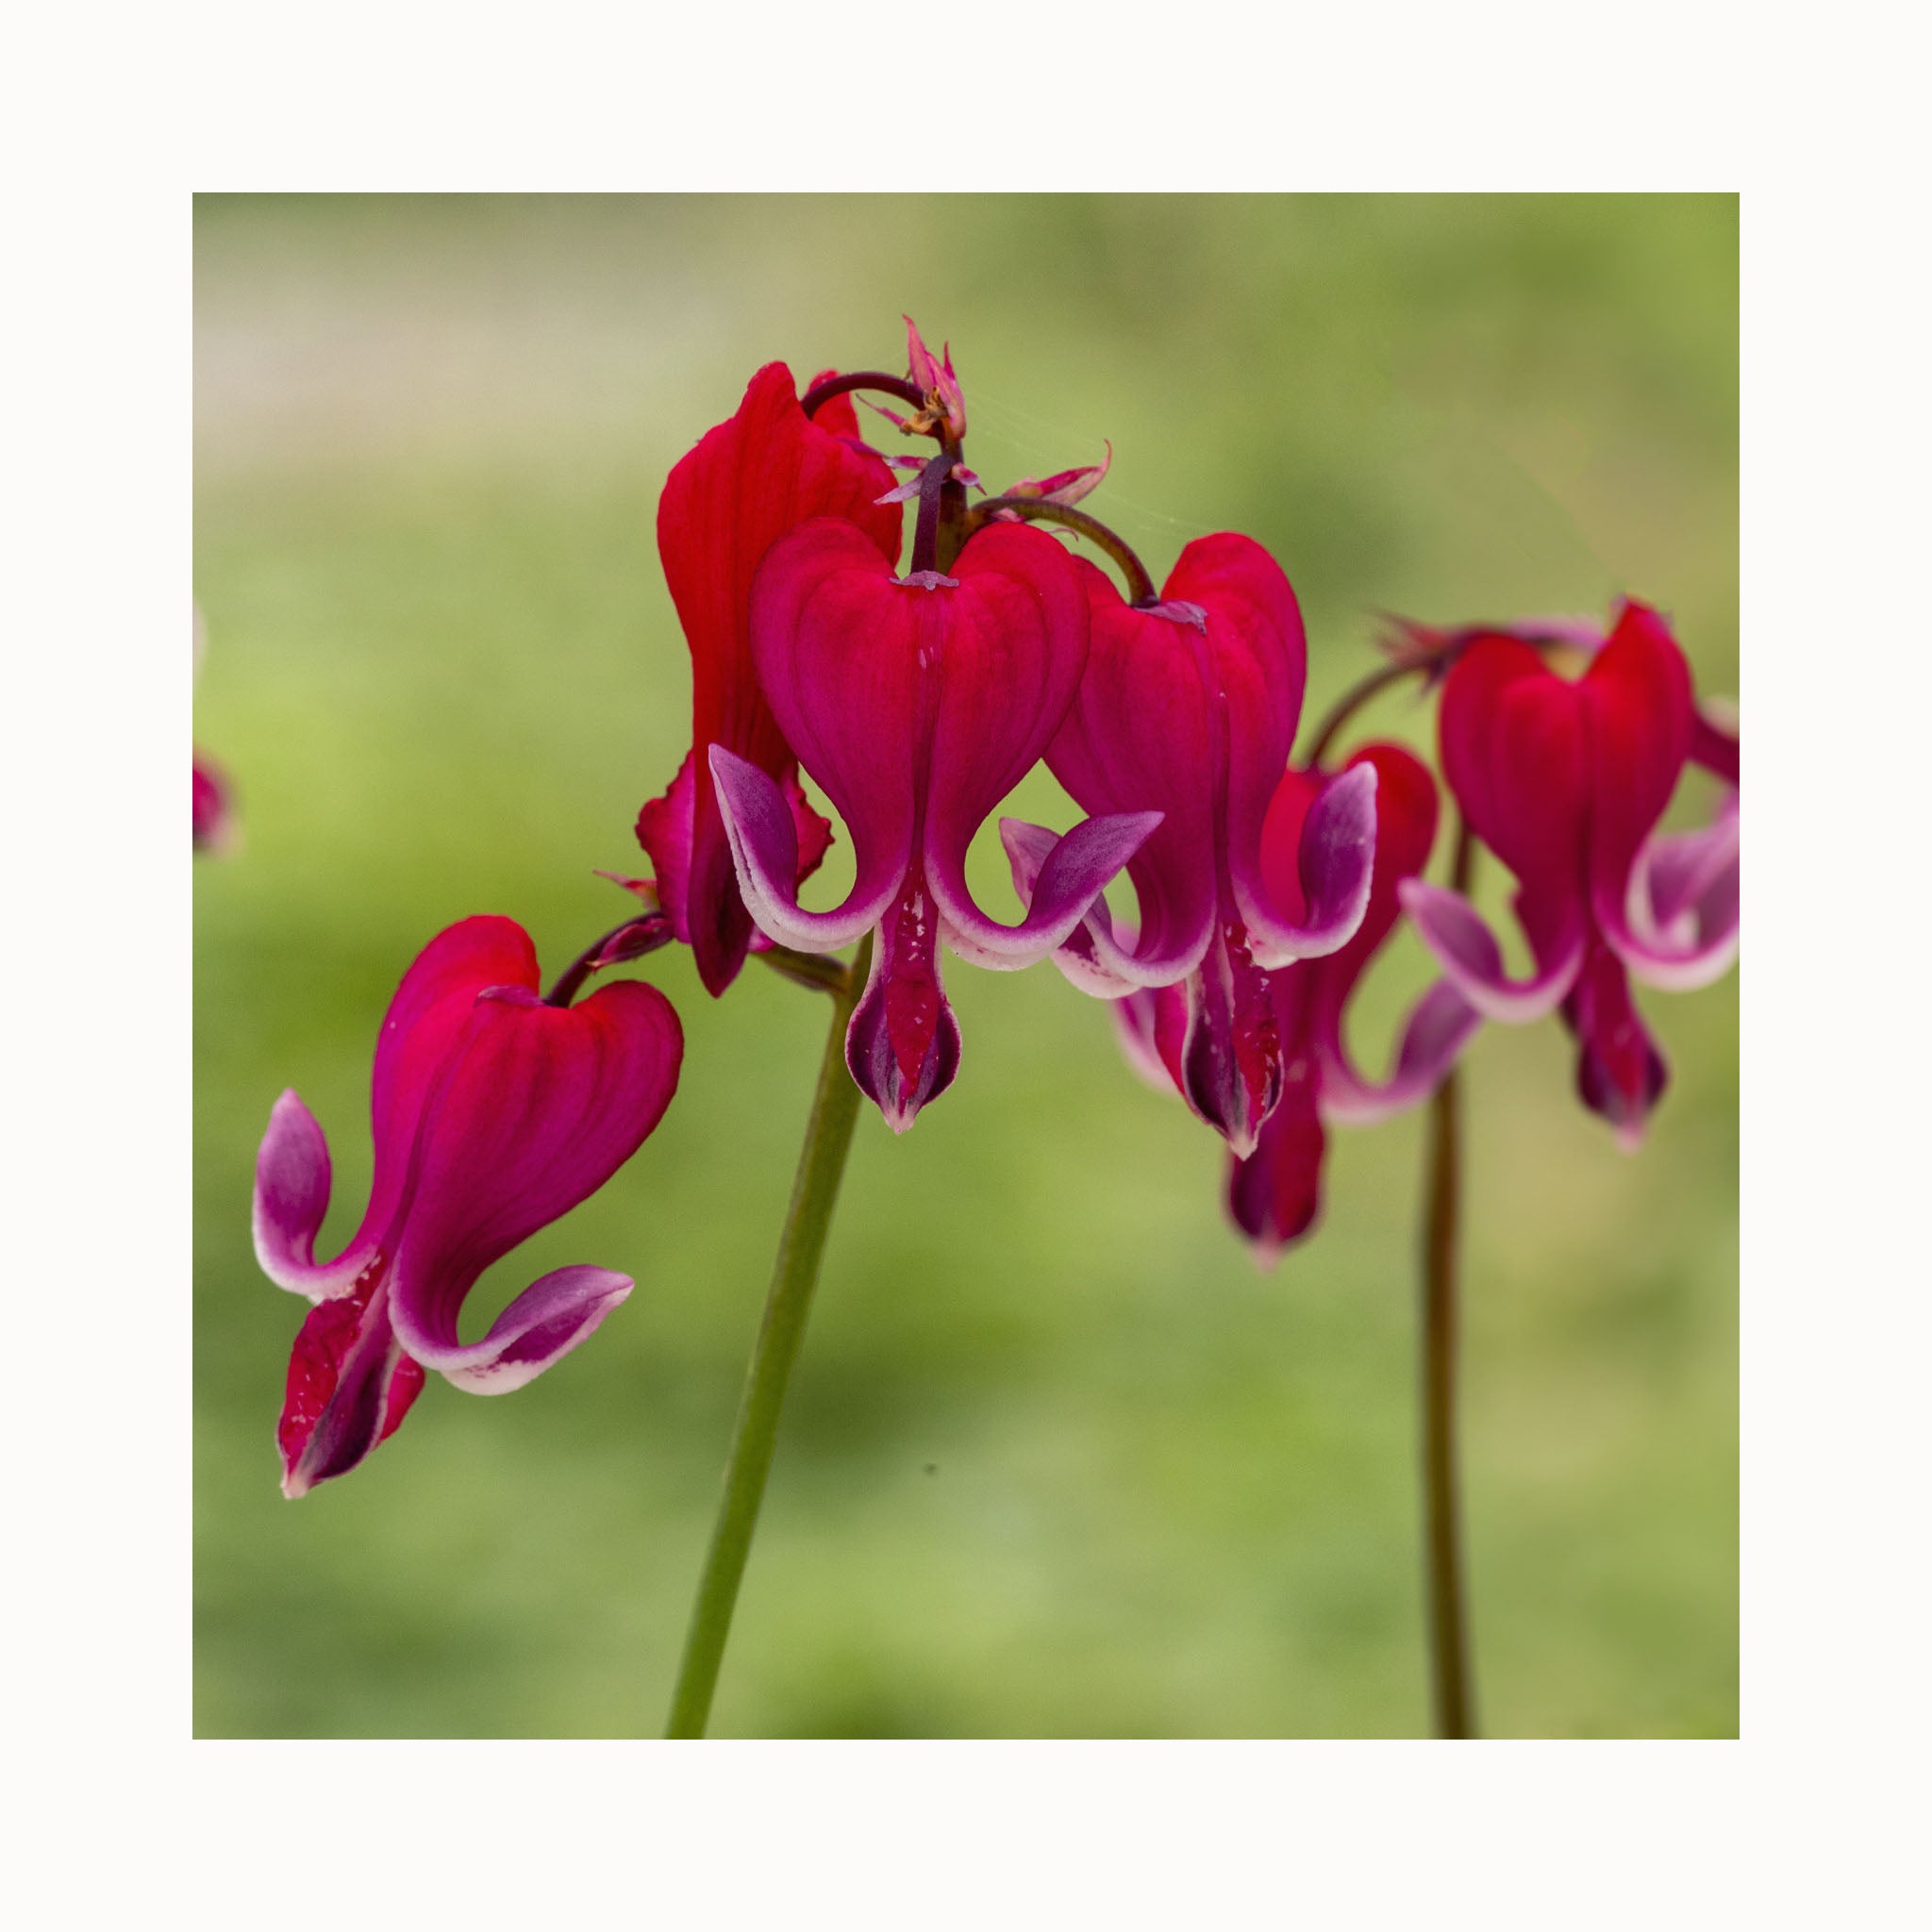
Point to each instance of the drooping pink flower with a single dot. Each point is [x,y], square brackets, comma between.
[917,703]
[1274,1193]
[1189,707]
[494,1114]
[747,482]
[1565,781]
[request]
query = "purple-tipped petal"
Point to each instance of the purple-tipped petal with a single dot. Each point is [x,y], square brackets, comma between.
[1091,945]
[1470,954]
[292,1188]
[1439,1027]
[1620,1073]
[1337,864]
[544,1322]
[760,824]
[1681,929]
[901,1058]
[1071,877]
[1230,1068]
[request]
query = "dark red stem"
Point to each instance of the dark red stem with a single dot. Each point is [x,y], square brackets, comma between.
[822,392]
[1450,1669]
[1351,701]
[1140,588]
[570,982]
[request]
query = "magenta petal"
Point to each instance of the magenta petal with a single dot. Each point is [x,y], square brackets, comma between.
[1230,1069]
[1638,715]
[1439,1027]
[664,830]
[1091,953]
[1070,879]
[1337,859]
[841,647]
[1145,732]
[1469,953]
[425,1020]
[762,828]
[1275,1195]
[1682,928]
[537,1107]
[349,1385]
[292,1188]
[1151,1024]
[1620,1073]
[544,1322]
[877,1062]
[214,816]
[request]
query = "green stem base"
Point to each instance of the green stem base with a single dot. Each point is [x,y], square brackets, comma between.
[794,1275]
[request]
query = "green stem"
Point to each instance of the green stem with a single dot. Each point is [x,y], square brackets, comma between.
[794,1273]
[1449,1645]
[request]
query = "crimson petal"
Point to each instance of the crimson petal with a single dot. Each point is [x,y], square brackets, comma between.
[537,1108]
[746,484]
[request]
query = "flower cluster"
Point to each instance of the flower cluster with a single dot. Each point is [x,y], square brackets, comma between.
[914,683]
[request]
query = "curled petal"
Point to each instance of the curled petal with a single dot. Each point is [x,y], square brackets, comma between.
[1336,860]
[537,1107]
[292,1188]
[1439,1025]
[1470,954]
[1068,885]
[1680,929]
[664,830]
[764,846]
[1085,958]
[549,1319]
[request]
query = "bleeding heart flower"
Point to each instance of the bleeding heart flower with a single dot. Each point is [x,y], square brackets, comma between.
[746,483]
[917,703]
[1274,1193]
[1189,707]
[1565,781]
[494,1115]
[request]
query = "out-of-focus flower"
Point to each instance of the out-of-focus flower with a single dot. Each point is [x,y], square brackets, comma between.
[746,484]
[1565,781]
[1189,707]
[917,703]
[494,1114]
[215,830]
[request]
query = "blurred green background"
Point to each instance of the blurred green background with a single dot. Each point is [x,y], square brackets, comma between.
[1059,1459]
